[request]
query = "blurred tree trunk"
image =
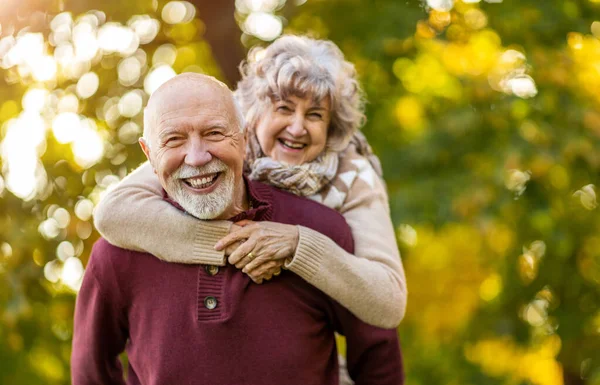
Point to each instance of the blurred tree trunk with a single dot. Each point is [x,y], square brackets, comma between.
[223,35]
[571,378]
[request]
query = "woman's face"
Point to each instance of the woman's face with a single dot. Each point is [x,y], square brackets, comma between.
[294,130]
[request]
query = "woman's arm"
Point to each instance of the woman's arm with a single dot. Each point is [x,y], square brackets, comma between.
[371,283]
[135,216]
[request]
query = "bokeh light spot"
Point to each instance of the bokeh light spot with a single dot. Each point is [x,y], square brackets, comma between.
[84,209]
[131,104]
[157,77]
[129,71]
[88,85]
[72,273]
[176,12]
[62,217]
[265,26]
[65,127]
[165,54]
[65,250]
[34,100]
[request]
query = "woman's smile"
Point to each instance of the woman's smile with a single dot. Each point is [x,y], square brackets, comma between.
[294,130]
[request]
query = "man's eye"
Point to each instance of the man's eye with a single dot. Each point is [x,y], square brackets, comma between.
[173,140]
[214,134]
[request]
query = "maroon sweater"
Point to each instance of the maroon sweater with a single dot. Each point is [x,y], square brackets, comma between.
[181,325]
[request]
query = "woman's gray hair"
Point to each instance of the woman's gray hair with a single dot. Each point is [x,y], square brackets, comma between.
[301,66]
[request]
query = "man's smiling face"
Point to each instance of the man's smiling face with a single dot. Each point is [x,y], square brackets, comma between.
[196,146]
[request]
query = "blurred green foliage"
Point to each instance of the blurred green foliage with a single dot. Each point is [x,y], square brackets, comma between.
[486,115]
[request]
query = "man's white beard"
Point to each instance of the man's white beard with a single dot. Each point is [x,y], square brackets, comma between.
[202,206]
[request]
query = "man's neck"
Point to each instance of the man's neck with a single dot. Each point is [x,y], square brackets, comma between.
[241,202]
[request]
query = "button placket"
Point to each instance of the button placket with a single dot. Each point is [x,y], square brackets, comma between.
[212,269]
[210,302]
[210,291]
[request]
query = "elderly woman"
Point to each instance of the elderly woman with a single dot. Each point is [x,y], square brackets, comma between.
[303,106]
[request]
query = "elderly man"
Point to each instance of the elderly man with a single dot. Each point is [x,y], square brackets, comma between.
[189,324]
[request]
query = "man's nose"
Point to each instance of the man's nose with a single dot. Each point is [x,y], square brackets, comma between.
[197,154]
[296,126]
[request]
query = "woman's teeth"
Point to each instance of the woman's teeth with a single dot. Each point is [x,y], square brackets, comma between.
[295,146]
[203,182]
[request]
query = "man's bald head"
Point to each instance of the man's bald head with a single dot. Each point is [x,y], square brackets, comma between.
[187,90]
[193,137]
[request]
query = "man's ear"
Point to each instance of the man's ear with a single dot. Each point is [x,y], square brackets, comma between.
[146,148]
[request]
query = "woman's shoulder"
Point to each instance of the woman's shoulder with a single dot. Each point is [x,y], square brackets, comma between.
[355,172]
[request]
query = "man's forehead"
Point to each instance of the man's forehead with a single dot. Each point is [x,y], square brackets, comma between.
[193,115]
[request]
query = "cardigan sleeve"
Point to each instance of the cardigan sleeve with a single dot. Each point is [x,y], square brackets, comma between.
[135,216]
[371,283]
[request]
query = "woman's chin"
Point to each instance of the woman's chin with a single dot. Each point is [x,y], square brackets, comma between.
[290,159]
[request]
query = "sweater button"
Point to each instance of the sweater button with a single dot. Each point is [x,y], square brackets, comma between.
[210,303]
[212,269]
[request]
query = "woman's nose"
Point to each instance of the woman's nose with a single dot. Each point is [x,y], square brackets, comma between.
[296,127]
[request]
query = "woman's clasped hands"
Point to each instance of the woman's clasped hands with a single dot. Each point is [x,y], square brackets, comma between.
[260,249]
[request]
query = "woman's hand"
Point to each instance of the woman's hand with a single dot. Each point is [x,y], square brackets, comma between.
[265,247]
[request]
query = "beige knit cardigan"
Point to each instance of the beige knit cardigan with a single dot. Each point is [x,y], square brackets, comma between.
[371,283]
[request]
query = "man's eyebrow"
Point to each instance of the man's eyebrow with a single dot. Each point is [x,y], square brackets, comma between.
[169,131]
[216,125]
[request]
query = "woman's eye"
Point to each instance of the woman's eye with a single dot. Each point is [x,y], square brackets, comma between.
[316,115]
[284,109]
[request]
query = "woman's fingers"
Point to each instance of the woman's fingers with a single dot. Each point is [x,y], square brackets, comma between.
[242,255]
[265,271]
[241,234]
[232,247]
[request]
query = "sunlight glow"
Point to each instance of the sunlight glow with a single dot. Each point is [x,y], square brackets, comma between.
[49,228]
[84,39]
[34,100]
[249,6]
[65,250]
[176,12]
[587,196]
[53,270]
[263,25]
[68,103]
[516,181]
[441,5]
[165,54]
[72,273]
[44,68]
[522,86]
[62,217]
[129,133]
[65,127]
[131,104]
[145,27]
[88,146]
[129,71]
[157,77]
[83,209]
[115,38]
[88,85]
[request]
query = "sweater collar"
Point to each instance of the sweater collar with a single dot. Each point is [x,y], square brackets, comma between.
[259,197]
